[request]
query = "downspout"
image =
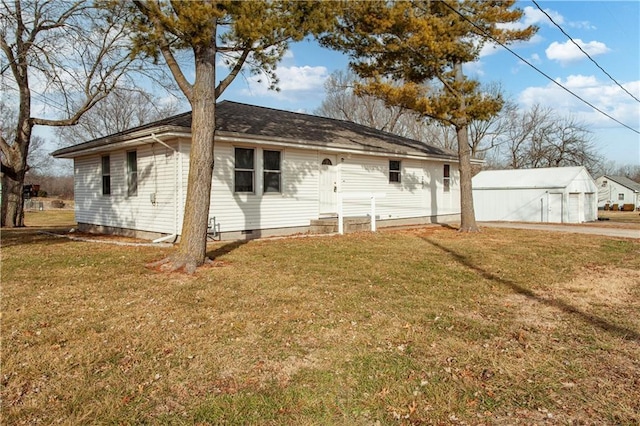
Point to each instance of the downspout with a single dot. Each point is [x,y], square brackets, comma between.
[177,192]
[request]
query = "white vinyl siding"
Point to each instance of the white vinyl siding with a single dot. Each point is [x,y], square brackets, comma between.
[146,212]
[162,177]
[294,206]
[609,193]
[418,194]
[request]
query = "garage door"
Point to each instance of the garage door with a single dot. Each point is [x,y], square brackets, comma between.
[574,208]
[589,207]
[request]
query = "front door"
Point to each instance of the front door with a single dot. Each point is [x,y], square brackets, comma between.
[328,185]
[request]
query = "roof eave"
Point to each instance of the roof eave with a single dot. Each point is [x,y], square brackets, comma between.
[233,137]
[167,132]
[111,143]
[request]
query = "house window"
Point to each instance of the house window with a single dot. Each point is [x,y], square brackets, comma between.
[106,175]
[446,181]
[272,171]
[132,173]
[394,171]
[604,183]
[620,197]
[244,170]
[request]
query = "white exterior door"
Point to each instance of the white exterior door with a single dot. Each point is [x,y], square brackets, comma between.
[555,207]
[328,184]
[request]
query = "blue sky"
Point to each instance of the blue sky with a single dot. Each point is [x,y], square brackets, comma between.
[607,30]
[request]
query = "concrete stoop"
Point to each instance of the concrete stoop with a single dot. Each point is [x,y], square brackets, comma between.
[330,225]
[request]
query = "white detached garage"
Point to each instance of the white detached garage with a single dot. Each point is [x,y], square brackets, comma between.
[555,194]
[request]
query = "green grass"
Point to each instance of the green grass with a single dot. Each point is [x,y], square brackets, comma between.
[424,326]
[48,218]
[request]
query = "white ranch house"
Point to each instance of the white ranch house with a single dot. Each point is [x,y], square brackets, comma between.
[554,194]
[275,173]
[618,190]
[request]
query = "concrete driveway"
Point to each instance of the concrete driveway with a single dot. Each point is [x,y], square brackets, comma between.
[592,228]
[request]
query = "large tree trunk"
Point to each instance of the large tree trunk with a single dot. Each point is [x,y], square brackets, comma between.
[14,168]
[191,251]
[12,202]
[467,213]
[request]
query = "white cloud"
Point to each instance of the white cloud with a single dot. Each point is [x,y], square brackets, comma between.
[606,96]
[568,52]
[585,25]
[530,17]
[489,49]
[615,141]
[473,69]
[534,16]
[294,82]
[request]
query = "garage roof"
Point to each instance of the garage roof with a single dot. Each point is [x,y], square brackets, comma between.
[548,177]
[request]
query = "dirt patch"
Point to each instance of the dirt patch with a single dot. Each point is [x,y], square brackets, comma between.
[602,288]
[609,287]
[104,238]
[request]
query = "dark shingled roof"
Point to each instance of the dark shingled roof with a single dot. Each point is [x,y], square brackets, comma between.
[625,181]
[239,119]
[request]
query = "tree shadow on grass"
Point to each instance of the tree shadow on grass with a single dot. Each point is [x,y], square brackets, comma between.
[622,332]
[225,249]
[10,237]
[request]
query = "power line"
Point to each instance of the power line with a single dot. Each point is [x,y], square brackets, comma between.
[42,98]
[485,34]
[583,51]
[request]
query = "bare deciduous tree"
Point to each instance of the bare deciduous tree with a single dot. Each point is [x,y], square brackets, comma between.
[66,54]
[123,109]
[539,137]
[343,102]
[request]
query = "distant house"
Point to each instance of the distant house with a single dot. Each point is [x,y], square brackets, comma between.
[276,172]
[618,190]
[556,194]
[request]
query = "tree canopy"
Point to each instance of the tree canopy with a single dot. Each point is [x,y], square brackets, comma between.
[251,36]
[423,44]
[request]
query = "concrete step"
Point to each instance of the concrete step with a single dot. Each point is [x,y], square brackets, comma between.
[330,225]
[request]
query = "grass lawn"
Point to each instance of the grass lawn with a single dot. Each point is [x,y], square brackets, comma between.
[49,218]
[405,327]
[628,218]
